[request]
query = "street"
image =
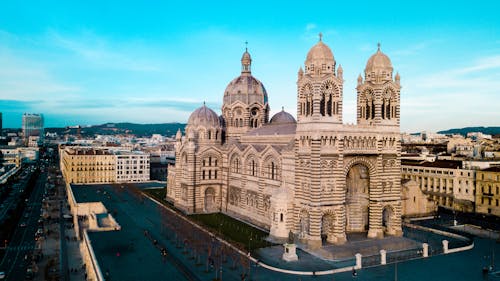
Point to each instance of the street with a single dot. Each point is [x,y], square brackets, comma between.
[18,253]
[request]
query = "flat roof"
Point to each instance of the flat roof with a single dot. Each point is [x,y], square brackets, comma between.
[85,193]
[491,169]
[127,254]
[448,164]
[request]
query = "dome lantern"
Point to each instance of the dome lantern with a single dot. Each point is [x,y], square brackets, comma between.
[246,61]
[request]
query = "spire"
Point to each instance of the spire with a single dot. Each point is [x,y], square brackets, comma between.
[397,78]
[282,108]
[378,47]
[178,136]
[340,71]
[320,36]
[360,79]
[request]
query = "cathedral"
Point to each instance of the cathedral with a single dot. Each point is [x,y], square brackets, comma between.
[314,176]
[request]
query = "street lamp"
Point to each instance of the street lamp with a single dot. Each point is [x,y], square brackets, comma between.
[249,260]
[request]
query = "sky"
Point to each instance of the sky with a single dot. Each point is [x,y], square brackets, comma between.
[92,62]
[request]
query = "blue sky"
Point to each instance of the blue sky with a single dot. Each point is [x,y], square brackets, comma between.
[91,62]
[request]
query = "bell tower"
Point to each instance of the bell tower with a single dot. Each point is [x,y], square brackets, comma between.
[378,101]
[319,87]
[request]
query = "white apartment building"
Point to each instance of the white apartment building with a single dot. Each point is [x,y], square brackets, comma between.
[132,166]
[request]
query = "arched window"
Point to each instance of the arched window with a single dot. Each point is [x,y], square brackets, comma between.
[281,217]
[322,105]
[236,165]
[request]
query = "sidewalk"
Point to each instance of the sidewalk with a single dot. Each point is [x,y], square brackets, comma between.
[48,266]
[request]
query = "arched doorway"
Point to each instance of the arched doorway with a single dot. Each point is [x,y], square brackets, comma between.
[357,198]
[387,214]
[210,200]
[327,227]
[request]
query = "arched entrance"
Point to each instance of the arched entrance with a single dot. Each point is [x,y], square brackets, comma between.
[210,200]
[357,198]
[387,220]
[327,228]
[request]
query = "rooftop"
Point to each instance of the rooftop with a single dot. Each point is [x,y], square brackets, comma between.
[492,169]
[85,193]
[447,164]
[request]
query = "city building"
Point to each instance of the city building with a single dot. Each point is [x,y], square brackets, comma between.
[18,155]
[101,165]
[488,191]
[316,176]
[444,181]
[415,203]
[132,166]
[32,127]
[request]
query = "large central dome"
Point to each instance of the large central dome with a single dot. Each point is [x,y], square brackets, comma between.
[245,88]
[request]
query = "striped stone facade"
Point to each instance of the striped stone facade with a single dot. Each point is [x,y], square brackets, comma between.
[316,176]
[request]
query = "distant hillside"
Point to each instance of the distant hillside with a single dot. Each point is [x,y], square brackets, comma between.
[464,131]
[140,130]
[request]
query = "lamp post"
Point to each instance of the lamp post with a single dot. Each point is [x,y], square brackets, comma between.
[249,260]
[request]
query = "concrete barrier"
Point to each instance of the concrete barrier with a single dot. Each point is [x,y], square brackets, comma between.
[383,257]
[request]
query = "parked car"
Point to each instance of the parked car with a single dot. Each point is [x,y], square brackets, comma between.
[2,275]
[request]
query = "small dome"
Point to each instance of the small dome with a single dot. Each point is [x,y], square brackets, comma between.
[320,54]
[378,62]
[205,117]
[282,117]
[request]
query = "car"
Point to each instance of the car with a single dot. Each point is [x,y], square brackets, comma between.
[23,224]
[30,274]
[2,275]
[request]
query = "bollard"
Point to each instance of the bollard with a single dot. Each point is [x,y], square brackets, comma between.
[425,250]
[445,246]
[358,261]
[383,255]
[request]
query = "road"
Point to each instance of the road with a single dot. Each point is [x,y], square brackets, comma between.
[14,263]
[15,194]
